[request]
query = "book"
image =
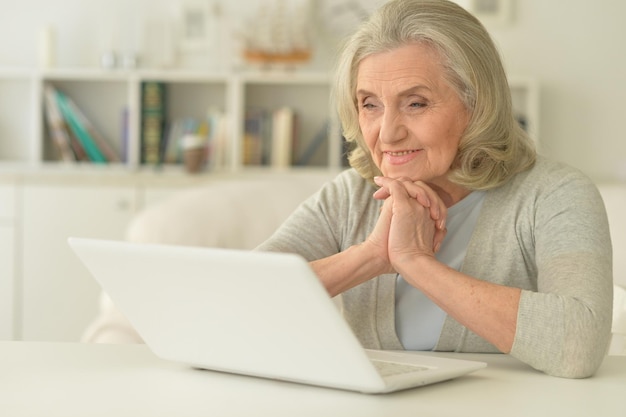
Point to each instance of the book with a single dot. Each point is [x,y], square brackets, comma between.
[255,138]
[57,127]
[125,134]
[152,121]
[218,139]
[314,145]
[103,145]
[78,129]
[172,151]
[283,126]
[51,104]
[77,147]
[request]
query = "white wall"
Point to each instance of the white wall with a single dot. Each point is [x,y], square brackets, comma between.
[574,48]
[577,51]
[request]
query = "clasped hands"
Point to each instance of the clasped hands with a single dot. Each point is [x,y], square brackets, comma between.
[412,221]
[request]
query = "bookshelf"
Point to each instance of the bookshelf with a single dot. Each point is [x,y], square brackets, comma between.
[112,102]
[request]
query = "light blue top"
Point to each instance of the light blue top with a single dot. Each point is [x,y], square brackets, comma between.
[418,320]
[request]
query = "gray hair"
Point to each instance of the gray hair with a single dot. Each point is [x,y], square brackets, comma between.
[493,147]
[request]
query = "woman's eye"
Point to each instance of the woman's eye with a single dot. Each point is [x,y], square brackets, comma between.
[418,104]
[368,105]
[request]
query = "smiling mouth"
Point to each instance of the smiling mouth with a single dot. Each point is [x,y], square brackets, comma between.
[401,153]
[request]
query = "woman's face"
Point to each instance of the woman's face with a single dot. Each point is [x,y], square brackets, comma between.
[411,118]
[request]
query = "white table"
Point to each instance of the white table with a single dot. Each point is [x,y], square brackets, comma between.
[55,379]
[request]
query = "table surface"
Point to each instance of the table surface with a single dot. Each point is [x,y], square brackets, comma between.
[65,379]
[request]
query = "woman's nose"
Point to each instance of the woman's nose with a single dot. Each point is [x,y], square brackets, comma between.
[392,128]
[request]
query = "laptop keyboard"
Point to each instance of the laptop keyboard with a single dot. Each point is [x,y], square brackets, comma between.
[393,368]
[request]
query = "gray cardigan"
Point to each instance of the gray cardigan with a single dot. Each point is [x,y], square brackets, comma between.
[545,232]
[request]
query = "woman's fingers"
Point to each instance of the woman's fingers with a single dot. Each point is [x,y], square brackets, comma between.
[440,234]
[419,190]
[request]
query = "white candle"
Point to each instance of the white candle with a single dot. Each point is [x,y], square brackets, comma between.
[47,47]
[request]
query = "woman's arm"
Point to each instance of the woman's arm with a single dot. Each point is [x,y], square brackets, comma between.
[560,322]
[488,309]
[317,230]
[349,268]
[564,326]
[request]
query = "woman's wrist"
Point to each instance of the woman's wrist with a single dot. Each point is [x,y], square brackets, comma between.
[372,259]
[416,266]
[349,268]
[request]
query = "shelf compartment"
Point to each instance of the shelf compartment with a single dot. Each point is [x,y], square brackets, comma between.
[103,101]
[309,101]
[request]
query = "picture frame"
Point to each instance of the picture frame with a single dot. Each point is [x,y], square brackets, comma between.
[196,30]
[492,12]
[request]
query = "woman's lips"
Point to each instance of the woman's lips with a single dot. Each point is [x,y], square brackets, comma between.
[401,157]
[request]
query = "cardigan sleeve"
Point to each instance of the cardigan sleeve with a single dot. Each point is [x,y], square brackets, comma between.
[563,327]
[328,222]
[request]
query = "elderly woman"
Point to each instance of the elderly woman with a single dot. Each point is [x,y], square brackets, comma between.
[449,232]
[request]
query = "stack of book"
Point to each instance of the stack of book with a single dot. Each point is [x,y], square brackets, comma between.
[162,140]
[272,138]
[74,136]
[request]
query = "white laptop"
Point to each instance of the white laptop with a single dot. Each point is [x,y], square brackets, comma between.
[254,313]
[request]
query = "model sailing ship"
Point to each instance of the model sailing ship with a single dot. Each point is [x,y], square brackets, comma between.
[280,34]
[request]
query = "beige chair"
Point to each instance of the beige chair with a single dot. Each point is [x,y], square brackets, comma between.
[236,213]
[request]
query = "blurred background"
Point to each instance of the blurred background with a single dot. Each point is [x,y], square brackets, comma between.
[235,62]
[574,49]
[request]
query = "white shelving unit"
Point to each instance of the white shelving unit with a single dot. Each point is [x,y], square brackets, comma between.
[7,259]
[105,96]
[18,120]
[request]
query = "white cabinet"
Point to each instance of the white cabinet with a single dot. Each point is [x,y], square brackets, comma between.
[7,282]
[45,292]
[7,261]
[59,297]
